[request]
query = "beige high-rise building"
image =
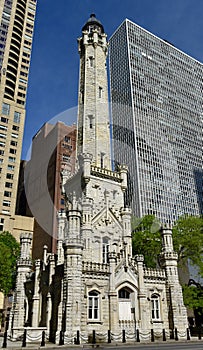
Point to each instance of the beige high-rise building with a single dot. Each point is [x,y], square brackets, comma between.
[16,34]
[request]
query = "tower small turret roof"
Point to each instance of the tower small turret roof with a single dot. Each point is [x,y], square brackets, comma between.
[93,21]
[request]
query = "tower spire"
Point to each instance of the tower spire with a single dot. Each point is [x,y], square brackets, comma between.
[93,111]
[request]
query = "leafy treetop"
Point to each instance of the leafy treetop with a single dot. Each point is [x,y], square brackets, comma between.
[9,252]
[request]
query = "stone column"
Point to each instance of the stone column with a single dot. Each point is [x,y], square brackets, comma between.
[36,296]
[61,233]
[126,214]
[49,303]
[143,320]
[113,299]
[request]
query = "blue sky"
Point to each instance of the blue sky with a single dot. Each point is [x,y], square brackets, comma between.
[53,80]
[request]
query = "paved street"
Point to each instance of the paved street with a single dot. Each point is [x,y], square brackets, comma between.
[160,346]
[190,345]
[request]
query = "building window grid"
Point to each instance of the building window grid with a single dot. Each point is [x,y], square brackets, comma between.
[178,115]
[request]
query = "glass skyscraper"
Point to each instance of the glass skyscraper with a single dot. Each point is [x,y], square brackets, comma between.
[157,106]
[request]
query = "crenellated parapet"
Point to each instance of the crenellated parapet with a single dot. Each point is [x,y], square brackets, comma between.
[154,274]
[105,173]
[167,257]
[90,267]
[24,262]
[25,244]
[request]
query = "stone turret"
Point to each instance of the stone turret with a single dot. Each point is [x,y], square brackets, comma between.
[168,260]
[24,265]
[73,248]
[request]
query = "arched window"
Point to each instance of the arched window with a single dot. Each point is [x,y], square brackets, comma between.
[155,307]
[91,61]
[93,305]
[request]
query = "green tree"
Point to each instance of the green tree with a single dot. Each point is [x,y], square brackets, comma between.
[9,252]
[146,239]
[188,240]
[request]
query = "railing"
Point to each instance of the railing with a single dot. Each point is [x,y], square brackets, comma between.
[95,267]
[154,273]
[105,173]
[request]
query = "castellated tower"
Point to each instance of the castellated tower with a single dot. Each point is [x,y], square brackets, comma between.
[93,113]
[19,311]
[168,260]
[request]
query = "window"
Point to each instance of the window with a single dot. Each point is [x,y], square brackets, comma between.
[11,159]
[23,74]
[14,135]
[4,120]
[10,167]
[100,92]
[1,224]
[105,250]
[8,184]
[93,305]
[13,151]
[21,87]
[2,136]
[67,139]
[90,121]
[102,159]
[16,118]
[124,294]
[2,127]
[13,143]
[23,81]
[91,61]
[66,158]
[2,144]
[5,108]
[16,128]
[7,194]
[155,307]
[9,176]
[1,152]
[6,203]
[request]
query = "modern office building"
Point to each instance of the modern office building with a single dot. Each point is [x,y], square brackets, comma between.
[16,34]
[156,95]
